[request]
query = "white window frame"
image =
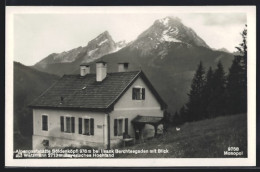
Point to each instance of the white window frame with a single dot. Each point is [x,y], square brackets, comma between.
[141,94]
[83,126]
[65,124]
[123,125]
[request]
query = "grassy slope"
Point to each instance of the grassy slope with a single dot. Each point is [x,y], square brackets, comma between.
[202,139]
[28,84]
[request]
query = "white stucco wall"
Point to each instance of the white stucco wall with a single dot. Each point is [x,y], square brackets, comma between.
[128,108]
[63,138]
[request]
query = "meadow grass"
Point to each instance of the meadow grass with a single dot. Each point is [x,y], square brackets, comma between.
[201,139]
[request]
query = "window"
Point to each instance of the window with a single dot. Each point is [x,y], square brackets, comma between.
[80,125]
[45,122]
[86,126]
[138,93]
[67,124]
[120,126]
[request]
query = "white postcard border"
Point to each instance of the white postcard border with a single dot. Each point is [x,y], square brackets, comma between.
[148,162]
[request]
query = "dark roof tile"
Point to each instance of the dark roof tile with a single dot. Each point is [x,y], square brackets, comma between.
[85,92]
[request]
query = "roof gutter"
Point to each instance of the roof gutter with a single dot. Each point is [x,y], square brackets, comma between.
[109,109]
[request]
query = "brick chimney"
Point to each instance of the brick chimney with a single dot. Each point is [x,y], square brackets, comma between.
[123,67]
[84,69]
[101,71]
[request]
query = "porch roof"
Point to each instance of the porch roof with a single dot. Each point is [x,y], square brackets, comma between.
[147,119]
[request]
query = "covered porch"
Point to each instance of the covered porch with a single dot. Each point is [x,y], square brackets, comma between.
[139,123]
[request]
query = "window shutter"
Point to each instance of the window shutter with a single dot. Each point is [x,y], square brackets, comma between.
[115,127]
[133,93]
[62,124]
[92,126]
[45,122]
[73,124]
[143,93]
[43,128]
[126,125]
[80,125]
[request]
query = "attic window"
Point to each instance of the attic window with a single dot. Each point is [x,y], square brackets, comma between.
[138,93]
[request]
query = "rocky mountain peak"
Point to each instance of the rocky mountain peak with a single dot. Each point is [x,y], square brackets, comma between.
[97,47]
[167,30]
[168,21]
[101,40]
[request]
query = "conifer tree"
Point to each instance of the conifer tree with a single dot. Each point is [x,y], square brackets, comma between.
[183,115]
[237,79]
[166,120]
[176,119]
[195,107]
[242,48]
[217,104]
[208,92]
[235,88]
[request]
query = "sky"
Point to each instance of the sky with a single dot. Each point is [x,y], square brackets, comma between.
[36,35]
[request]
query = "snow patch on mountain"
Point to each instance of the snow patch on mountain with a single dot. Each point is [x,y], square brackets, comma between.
[168,38]
[91,52]
[120,45]
[169,35]
[101,45]
[166,31]
[102,42]
[164,21]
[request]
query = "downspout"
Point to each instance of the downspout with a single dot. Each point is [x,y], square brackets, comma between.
[104,134]
[108,133]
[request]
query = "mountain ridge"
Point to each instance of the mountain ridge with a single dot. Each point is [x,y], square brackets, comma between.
[97,47]
[167,48]
[164,32]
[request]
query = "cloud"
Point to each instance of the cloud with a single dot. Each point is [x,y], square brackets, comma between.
[224,19]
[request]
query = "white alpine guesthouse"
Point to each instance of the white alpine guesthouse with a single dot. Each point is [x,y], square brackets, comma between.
[96,110]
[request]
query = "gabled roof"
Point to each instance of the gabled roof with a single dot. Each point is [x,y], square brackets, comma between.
[77,92]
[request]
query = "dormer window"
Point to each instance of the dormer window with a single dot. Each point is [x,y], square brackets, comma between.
[138,93]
